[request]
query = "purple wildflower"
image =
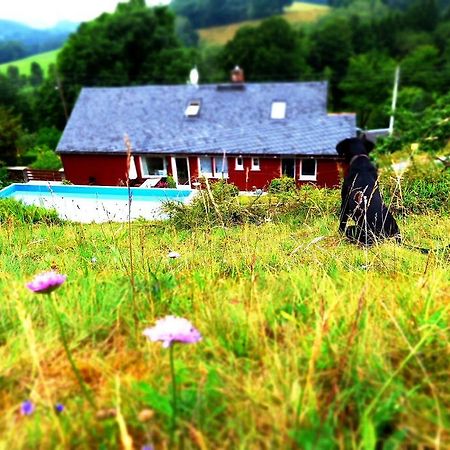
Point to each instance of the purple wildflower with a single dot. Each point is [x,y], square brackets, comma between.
[172,329]
[59,408]
[27,408]
[148,447]
[46,282]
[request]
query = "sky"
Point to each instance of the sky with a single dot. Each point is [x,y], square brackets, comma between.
[46,13]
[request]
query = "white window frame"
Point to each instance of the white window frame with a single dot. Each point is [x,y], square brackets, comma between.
[206,174]
[220,174]
[278,111]
[237,165]
[193,108]
[256,166]
[303,177]
[144,167]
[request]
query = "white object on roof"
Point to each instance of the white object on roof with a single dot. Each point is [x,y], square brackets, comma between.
[193,108]
[278,110]
[194,76]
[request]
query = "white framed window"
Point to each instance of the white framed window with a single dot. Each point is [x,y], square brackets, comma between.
[308,169]
[278,110]
[193,108]
[205,166]
[154,165]
[239,163]
[255,164]
[220,167]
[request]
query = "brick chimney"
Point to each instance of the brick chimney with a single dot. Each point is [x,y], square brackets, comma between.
[237,75]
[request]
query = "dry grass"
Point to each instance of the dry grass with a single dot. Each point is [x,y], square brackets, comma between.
[297,13]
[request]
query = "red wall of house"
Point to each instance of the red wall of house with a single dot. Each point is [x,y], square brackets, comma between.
[111,170]
[329,173]
[103,170]
[246,179]
[193,168]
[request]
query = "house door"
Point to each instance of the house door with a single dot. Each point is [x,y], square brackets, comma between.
[288,167]
[182,173]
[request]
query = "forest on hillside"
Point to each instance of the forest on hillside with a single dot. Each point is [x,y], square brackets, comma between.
[356,47]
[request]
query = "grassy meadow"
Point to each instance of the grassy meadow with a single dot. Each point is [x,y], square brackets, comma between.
[298,12]
[24,65]
[308,341]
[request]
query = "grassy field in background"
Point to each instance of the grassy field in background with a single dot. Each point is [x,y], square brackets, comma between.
[298,12]
[24,65]
[308,341]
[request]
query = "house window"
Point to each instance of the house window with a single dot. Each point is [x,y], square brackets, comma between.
[154,165]
[308,169]
[221,167]
[206,168]
[278,110]
[255,164]
[192,109]
[239,163]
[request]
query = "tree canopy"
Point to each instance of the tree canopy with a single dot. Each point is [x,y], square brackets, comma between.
[133,45]
[271,51]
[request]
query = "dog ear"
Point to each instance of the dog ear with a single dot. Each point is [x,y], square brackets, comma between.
[369,145]
[342,147]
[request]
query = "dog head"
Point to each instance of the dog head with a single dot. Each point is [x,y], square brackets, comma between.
[354,146]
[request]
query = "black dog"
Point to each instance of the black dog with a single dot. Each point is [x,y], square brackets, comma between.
[361,198]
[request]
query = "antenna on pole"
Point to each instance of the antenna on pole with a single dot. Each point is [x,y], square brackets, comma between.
[394,100]
[59,88]
[194,76]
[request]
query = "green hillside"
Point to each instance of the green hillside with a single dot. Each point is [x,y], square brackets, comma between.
[298,12]
[24,65]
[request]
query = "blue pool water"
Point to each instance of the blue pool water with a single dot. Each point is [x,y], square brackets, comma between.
[96,203]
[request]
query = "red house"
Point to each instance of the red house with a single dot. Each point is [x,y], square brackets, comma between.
[247,133]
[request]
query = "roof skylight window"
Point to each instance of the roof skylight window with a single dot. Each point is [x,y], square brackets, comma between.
[193,109]
[278,110]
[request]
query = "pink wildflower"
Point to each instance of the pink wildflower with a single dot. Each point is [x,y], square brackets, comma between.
[172,329]
[46,282]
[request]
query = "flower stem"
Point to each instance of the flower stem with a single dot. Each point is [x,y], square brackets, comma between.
[75,370]
[174,396]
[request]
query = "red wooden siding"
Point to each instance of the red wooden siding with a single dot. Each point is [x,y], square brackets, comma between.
[103,170]
[193,168]
[246,179]
[110,170]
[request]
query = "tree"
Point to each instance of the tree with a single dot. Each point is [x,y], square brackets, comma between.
[37,75]
[331,47]
[421,68]
[271,51]
[367,86]
[10,130]
[11,51]
[49,103]
[423,15]
[430,128]
[134,45]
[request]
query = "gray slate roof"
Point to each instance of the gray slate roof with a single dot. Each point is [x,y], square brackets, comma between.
[232,121]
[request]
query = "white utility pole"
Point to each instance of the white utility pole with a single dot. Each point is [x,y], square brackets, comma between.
[394,100]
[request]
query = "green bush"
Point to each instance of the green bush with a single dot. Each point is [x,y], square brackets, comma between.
[422,188]
[171,183]
[46,158]
[283,184]
[13,210]
[218,205]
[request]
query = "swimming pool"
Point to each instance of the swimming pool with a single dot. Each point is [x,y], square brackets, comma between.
[96,203]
